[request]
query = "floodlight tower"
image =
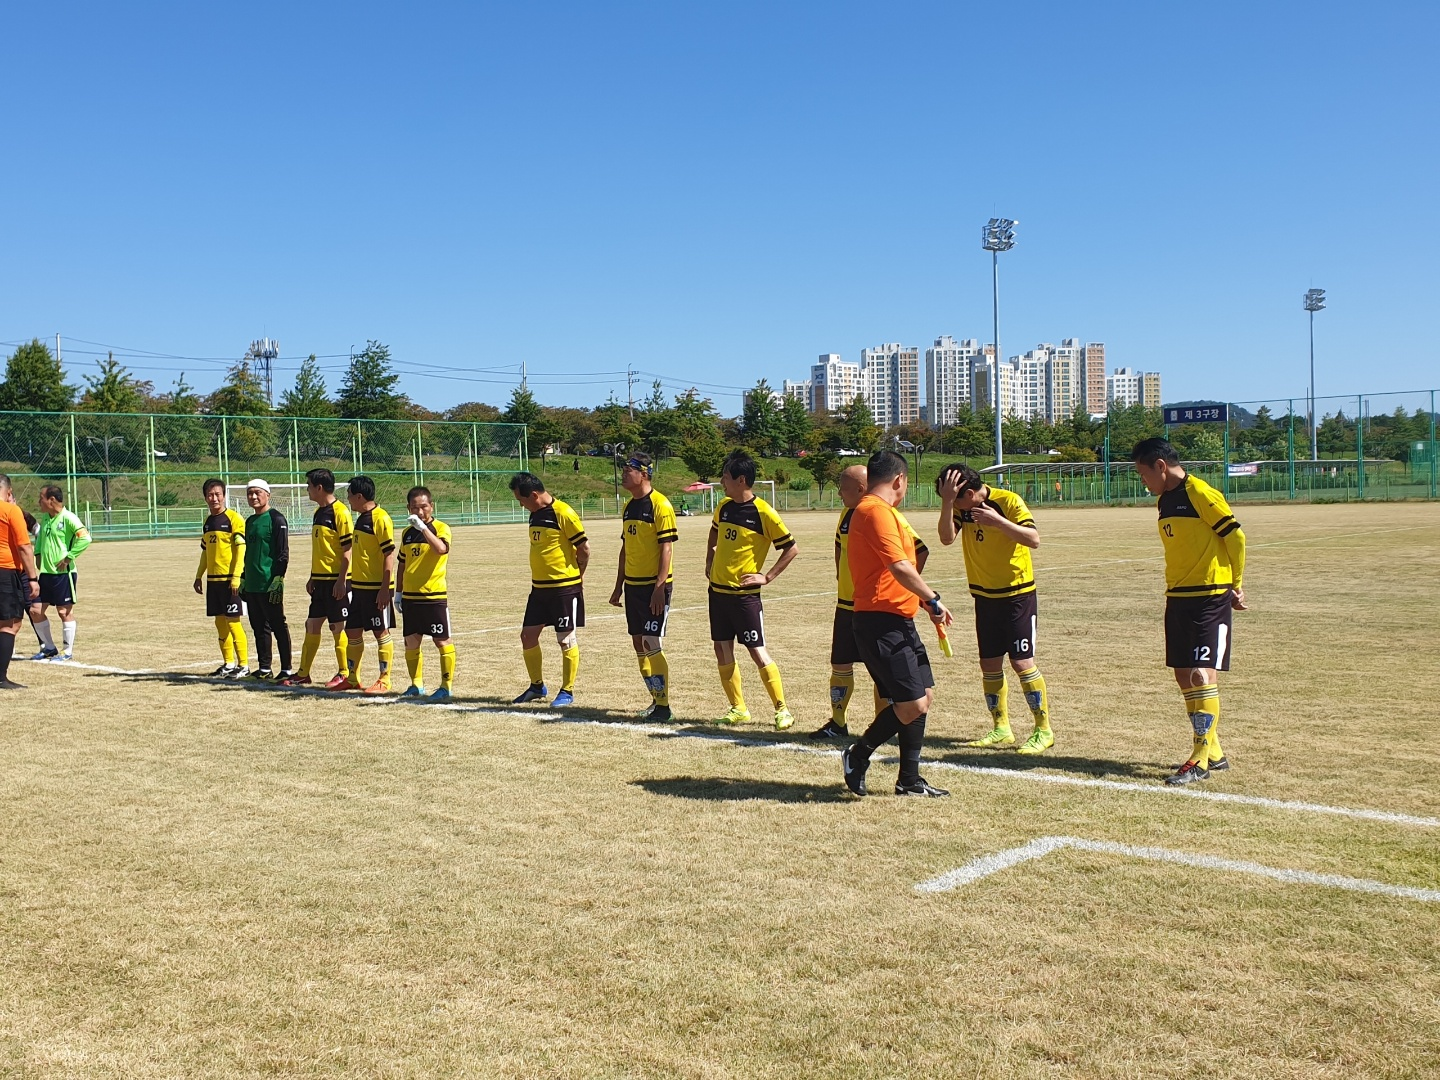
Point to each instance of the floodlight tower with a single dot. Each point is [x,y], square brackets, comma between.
[1314,301]
[998,235]
[266,351]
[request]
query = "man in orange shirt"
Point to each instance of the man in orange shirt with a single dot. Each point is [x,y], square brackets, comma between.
[888,593]
[17,557]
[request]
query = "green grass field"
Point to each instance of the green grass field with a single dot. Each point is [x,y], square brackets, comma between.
[205,879]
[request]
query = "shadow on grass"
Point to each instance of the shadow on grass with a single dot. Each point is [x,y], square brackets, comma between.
[734,789]
[1100,768]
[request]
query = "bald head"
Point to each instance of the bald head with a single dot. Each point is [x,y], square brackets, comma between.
[852,485]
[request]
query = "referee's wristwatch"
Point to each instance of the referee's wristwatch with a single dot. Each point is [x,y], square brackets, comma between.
[934,604]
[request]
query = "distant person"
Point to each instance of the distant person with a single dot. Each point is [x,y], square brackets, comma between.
[425,609]
[644,578]
[222,560]
[1204,564]
[997,533]
[19,578]
[58,543]
[332,535]
[262,585]
[844,653]
[888,593]
[742,531]
[559,554]
[577,465]
[372,586]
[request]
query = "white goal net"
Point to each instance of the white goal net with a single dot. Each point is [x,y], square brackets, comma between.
[290,499]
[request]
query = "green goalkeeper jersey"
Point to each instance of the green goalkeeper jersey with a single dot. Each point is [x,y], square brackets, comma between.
[61,537]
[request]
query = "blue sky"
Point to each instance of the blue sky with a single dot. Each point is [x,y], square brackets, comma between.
[718,193]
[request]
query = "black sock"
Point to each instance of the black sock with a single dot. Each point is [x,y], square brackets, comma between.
[880,731]
[912,737]
[7,650]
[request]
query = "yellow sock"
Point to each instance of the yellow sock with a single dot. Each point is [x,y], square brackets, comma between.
[387,659]
[354,653]
[770,676]
[242,644]
[996,698]
[415,663]
[842,688]
[569,667]
[730,680]
[1032,685]
[643,659]
[535,665]
[660,678]
[447,666]
[227,649]
[308,652]
[1202,704]
[342,653]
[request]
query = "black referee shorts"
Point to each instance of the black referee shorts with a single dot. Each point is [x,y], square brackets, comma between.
[894,655]
[14,595]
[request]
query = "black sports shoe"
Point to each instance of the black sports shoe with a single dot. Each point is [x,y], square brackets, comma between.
[831,730]
[1219,766]
[11,684]
[224,671]
[659,714]
[854,773]
[920,786]
[1187,774]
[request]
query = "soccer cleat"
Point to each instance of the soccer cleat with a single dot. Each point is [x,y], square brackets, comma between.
[223,671]
[262,673]
[563,698]
[439,696]
[1000,736]
[831,730]
[1187,774]
[295,680]
[338,682]
[1218,765]
[921,786]
[281,676]
[239,673]
[784,718]
[413,691]
[1038,742]
[65,657]
[734,715]
[535,692]
[46,654]
[379,686]
[658,714]
[854,773]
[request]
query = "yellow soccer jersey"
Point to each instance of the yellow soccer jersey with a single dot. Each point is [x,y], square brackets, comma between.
[222,547]
[845,585]
[555,533]
[746,532]
[331,532]
[648,523]
[1204,544]
[374,539]
[424,570]
[995,565]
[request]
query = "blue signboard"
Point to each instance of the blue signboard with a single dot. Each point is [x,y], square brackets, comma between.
[1197,414]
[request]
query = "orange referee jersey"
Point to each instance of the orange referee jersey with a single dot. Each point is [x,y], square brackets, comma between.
[877,539]
[13,536]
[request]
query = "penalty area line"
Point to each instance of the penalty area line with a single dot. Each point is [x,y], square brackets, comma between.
[986,865]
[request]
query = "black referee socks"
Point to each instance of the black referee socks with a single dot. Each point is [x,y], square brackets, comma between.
[880,731]
[912,737]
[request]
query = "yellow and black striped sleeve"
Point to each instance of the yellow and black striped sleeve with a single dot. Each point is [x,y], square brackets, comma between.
[569,522]
[774,529]
[1215,512]
[667,529]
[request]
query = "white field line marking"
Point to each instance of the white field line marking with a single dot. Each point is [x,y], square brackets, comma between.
[120,670]
[992,864]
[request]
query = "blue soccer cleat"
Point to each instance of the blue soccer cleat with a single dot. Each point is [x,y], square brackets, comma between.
[535,692]
[563,698]
[439,696]
[413,691]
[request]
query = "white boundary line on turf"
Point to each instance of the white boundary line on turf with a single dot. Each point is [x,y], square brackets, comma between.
[987,865]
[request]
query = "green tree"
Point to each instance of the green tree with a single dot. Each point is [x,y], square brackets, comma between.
[760,419]
[367,392]
[114,389]
[309,402]
[795,424]
[659,428]
[181,434]
[242,393]
[546,432]
[824,465]
[523,408]
[703,452]
[858,427]
[34,381]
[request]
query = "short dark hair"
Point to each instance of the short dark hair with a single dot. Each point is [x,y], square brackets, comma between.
[1148,451]
[53,491]
[363,486]
[213,482]
[644,462]
[418,489]
[884,466]
[324,479]
[526,484]
[970,480]
[4,481]
[741,466]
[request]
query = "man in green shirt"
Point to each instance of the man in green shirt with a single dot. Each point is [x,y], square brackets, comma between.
[62,536]
[262,585]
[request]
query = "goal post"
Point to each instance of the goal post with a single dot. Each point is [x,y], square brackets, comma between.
[290,499]
[712,495]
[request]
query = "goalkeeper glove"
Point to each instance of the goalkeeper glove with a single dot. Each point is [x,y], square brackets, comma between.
[415,520]
[277,590]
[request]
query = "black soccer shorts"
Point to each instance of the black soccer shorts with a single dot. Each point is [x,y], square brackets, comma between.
[1006,626]
[894,655]
[638,616]
[1197,632]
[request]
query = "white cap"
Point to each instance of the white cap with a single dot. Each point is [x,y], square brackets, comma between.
[263,485]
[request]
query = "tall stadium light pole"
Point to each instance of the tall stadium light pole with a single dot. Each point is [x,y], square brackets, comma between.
[998,235]
[1314,301]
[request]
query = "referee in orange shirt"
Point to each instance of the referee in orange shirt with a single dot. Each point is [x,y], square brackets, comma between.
[888,593]
[19,580]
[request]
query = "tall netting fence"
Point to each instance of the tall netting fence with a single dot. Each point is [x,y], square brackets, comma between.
[141,475]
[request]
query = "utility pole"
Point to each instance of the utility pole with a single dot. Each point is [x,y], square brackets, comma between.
[630,388]
[57,348]
[524,371]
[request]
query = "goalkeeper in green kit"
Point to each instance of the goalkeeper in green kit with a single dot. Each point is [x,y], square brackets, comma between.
[262,585]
